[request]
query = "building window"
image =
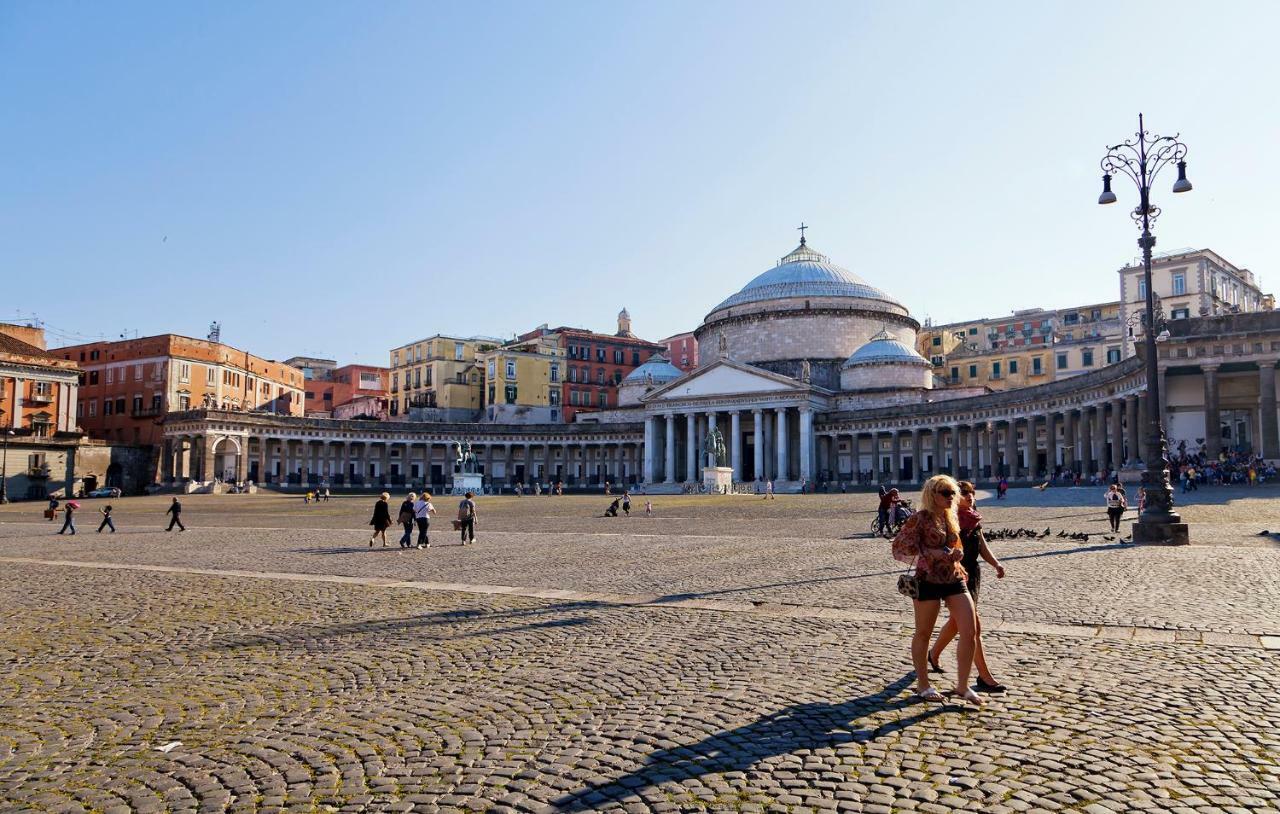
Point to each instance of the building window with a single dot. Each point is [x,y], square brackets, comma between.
[93,356]
[573,373]
[1062,361]
[1013,366]
[937,361]
[1142,288]
[937,341]
[511,370]
[184,402]
[93,377]
[157,401]
[973,371]
[604,399]
[1180,313]
[509,394]
[111,375]
[1036,368]
[973,332]
[955,375]
[1086,358]
[600,354]
[600,375]
[93,407]
[1179,283]
[137,373]
[107,406]
[618,357]
[555,372]
[635,358]
[995,370]
[1113,355]
[395,358]
[553,396]
[137,404]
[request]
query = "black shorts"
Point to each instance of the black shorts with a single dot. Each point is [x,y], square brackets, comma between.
[939,590]
[974,583]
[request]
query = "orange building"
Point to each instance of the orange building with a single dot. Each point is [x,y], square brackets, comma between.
[341,385]
[127,386]
[37,388]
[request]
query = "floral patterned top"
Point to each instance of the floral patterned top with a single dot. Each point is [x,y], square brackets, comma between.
[923,538]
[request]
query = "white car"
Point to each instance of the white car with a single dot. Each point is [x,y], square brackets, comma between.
[106,491]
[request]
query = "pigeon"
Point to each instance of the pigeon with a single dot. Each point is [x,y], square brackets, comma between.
[1263,533]
[1062,533]
[1046,533]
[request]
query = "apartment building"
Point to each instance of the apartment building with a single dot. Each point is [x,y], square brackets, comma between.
[438,378]
[335,387]
[522,381]
[126,386]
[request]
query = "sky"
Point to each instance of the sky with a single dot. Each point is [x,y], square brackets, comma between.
[336,179]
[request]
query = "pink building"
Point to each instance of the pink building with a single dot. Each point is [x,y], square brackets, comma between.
[682,350]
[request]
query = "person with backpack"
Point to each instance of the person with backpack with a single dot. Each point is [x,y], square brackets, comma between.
[467,518]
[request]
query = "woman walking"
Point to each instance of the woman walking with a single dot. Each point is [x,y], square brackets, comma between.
[70,523]
[106,523]
[930,541]
[975,546]
[422,511]
[1116,504]
[381,519]
[405,519]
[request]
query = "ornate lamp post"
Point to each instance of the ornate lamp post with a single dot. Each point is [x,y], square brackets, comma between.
[4,466]
[1141,158]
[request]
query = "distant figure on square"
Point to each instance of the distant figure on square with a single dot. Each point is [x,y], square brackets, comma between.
[52,512]
[612,511]
[175,509]
[381,519]
[768,490]
[422,511]
[467,518]
[69,522]
[105,511]
[626,502]
[1116,504]
[648,508]
[1002,488]
[405,518]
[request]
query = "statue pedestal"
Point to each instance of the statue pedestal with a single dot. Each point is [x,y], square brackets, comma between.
[717,479]
[467,482]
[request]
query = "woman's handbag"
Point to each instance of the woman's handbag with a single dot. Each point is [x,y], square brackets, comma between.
[909,583]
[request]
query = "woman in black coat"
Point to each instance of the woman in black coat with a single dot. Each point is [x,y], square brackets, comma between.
[381,519]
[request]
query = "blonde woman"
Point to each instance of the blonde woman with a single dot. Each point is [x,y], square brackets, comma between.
[930,541]
[381,519]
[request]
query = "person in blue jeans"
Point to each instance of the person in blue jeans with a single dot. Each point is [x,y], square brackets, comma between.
[69,523]
[106,520]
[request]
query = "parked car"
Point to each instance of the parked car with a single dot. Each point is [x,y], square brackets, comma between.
[106,491]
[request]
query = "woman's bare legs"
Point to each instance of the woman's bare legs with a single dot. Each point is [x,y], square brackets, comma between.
[948,632]
[926,618]
[960,608]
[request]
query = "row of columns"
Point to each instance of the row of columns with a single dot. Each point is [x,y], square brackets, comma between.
[204,458]
[1107,435]
[771,431]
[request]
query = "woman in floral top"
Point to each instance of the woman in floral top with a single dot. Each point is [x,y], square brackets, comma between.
[930,541]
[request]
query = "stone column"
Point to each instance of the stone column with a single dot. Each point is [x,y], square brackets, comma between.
[1051,441]
[691,447]
[806,443]
[650,447]
[264,459]
[1070,447]
[1011,449]
[242,463]
[770,447]
[938,451]
[735,444]
[206,459]
[780,438]
[1133,436]
[895,456]
[1117,434]
[669,471]
[975,456]
[916,464]
[757,435]
[1086,441]
[1212,416]
[1267,410]
[993,451]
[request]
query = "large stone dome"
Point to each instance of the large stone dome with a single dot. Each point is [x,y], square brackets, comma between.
[804,309]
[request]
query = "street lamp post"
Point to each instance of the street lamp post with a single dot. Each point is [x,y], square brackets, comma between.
[4,467]
[1141,158]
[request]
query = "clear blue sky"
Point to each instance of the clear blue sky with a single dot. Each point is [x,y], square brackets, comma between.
[338,178]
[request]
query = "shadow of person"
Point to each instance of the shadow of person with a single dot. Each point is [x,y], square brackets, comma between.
[803,726]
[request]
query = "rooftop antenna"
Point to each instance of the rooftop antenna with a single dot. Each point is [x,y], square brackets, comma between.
[215,331]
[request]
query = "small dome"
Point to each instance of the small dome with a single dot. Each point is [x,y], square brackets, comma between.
[884,348]
[806,273]
[656,369]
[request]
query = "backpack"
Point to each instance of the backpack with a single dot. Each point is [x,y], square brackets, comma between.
[464,510]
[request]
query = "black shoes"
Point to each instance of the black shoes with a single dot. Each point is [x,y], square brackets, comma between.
[982,686]
[933,666]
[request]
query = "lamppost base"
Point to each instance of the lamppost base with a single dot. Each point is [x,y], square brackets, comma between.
[1155,533]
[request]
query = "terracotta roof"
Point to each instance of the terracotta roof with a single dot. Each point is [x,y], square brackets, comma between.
[16,347]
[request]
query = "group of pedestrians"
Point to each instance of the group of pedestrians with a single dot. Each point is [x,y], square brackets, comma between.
[70,508]
[943,543]
[417,510]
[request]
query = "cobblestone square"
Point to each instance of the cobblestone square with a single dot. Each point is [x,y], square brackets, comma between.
[725,654]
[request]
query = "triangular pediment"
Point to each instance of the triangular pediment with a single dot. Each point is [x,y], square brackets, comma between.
[725,378]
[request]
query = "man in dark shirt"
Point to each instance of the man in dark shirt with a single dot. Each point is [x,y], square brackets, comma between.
[888,502]
[175,509]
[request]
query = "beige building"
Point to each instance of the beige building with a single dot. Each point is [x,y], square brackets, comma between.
[1188,283]
[438,378]
[522,381]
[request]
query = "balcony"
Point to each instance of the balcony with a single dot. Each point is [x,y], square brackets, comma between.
[147,412]
[38,473]
[39,398]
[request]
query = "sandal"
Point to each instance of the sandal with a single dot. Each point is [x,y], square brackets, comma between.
[968,696]
[928,694]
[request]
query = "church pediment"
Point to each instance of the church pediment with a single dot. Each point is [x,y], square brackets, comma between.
[723,378]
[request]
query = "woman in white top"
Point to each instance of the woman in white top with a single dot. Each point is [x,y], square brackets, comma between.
[1116,504]
[422,511]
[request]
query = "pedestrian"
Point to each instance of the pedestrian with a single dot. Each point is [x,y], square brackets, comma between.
[1002,488]
[626,502]
[52,512]
[326,492]
[1116,505]
[405,518]
[608,488]
[467,517]
[975,547]
[175,509]
[648,508]
[422,511]
[381,519]
[888,508]
[768,490]
[612,511]
[69,522]
[930,542]
[105,511]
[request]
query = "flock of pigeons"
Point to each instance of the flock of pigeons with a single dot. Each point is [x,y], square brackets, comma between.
[1032,534]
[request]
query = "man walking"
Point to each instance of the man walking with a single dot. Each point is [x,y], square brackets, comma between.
[69,523]
[175,509]
[467,518]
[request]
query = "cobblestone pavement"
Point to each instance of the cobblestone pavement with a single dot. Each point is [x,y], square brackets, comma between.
[339,685]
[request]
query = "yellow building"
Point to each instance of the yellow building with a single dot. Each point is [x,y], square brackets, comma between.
[522,382]
[439,378]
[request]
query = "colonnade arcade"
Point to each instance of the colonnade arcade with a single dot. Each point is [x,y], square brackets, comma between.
[213,445]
